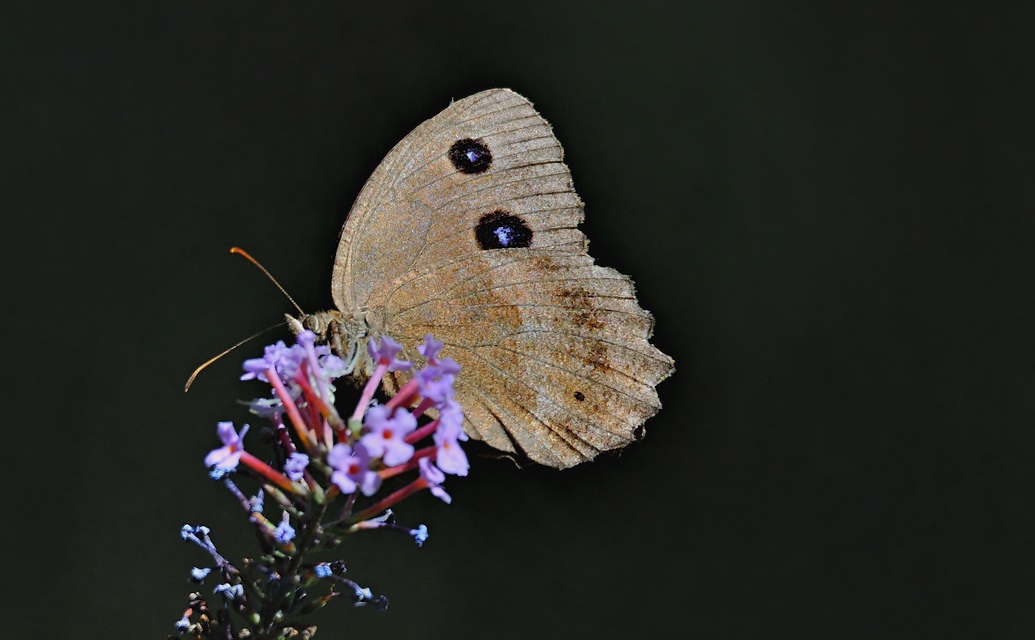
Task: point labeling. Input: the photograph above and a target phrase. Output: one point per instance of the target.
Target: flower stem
(271, 474)
(368, 392)
(388, 501)
(292, 409)
(423, 432)
(405, 396)
(409, 465)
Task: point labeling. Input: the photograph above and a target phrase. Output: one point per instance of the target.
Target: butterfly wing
(416, 203)
(468, 231)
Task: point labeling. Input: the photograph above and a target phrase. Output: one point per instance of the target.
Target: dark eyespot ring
(501, 230)
(470, 156)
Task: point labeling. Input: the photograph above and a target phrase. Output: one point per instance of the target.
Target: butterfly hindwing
(548, 337)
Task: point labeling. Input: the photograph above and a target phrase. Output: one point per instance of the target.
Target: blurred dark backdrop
(826, 205)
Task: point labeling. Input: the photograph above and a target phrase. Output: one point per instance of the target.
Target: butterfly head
(342, 333)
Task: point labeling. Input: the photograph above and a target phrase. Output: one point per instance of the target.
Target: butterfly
(467, 230)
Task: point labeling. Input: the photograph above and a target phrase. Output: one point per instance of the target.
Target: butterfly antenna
(244, 254)
(190, 380)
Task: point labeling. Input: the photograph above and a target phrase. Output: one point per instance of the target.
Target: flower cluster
(318, 461)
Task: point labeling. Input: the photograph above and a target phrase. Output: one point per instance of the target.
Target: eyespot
(501, 230)
(470, 156)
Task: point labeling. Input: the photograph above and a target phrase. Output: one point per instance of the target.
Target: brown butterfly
(467, 230)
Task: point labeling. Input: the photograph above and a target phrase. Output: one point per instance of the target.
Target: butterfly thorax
(344, 334)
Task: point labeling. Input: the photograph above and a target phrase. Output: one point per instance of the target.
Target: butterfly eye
(501, 230)
(470, 156)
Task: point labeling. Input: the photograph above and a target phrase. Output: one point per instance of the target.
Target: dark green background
(827, 206)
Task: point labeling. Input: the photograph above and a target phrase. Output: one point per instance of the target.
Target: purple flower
(322, 570)
(434, 477)
(420, 535)
(284, 359)
(352, 469)
(449, 456)
(324, 367)
(267, 407)
(232, 592)
(295, 465)
(363, 595)
(451, 420)
(430, 348)
(331, 365)
(255, 503)
(284, 533)
(386, 432)
(226, 457)
(386, 352)
(199, 575)
(306, 338)
(436, 378)
(448, 366)
(190, 532)
(436, 382)
(286, 362)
